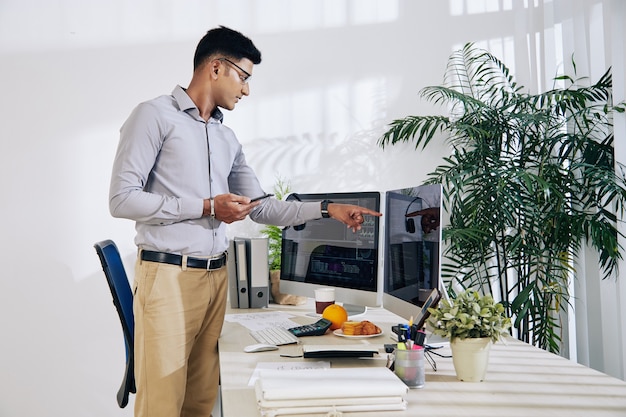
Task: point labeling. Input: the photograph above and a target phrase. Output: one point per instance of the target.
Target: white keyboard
(274, 336)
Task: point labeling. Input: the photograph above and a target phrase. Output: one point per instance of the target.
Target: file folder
(231, 267)
(258, 271)
(242, 273)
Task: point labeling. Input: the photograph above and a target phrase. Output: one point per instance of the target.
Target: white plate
(339, 333)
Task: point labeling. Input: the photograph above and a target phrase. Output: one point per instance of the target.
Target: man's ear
(215, 65)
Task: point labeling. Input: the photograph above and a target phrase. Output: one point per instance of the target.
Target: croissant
(369, 328)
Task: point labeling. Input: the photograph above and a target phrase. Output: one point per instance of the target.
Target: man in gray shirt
(181, 175)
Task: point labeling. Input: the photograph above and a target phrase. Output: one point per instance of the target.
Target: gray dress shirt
(168, 161)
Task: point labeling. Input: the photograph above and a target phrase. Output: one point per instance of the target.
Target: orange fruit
(336, 314)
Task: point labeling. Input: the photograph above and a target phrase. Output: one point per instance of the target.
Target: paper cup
(323, 298)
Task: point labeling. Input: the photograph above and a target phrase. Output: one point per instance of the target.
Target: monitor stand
(354, 309)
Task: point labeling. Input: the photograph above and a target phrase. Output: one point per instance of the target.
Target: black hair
(227, 42)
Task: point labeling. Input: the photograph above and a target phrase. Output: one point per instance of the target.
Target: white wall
(334, 72)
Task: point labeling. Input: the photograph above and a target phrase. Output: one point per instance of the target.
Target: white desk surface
(521, 380)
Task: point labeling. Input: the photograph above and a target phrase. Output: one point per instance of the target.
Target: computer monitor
(325, 253)
(412, 261)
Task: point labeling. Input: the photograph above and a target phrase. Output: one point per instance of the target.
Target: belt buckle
(215, 258)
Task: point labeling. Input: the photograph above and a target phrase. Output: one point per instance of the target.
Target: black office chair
(123, 300)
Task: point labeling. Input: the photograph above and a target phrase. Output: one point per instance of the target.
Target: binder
(258, 271)
(242, 273)
(231, 267)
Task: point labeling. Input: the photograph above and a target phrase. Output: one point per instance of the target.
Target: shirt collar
(186, 104)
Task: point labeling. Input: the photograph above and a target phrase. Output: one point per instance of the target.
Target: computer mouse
(259, 347)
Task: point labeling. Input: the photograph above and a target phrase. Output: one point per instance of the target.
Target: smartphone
(261, 197)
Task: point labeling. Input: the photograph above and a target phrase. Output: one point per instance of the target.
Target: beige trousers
(178, 319)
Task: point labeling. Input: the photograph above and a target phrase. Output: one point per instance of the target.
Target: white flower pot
(470, 358)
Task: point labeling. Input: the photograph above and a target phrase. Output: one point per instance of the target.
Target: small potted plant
(472, 322)
(274, 235)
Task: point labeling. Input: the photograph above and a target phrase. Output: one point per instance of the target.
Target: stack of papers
(284, 393)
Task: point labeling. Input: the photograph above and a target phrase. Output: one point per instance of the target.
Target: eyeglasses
(244, 78)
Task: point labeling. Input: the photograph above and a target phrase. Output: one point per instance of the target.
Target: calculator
(315, 329)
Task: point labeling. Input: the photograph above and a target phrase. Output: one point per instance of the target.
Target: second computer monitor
(412, 247)
(325, 253)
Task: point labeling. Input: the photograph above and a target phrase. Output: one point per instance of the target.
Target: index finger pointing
(370, 212)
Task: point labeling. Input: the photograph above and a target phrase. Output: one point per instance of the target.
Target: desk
(521, 380)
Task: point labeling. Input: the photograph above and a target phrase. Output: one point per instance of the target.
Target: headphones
(409, 222)
(291, 197)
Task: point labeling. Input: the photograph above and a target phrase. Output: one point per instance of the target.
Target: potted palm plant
(531, 179)
(472, 322)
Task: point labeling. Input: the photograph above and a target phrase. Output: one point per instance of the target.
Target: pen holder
(409, 366)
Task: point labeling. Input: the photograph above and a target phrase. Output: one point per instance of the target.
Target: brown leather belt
(210, 264)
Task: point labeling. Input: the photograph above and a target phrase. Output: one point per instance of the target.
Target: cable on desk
(429, 351)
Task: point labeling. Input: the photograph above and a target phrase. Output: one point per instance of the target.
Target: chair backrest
(120, 288)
